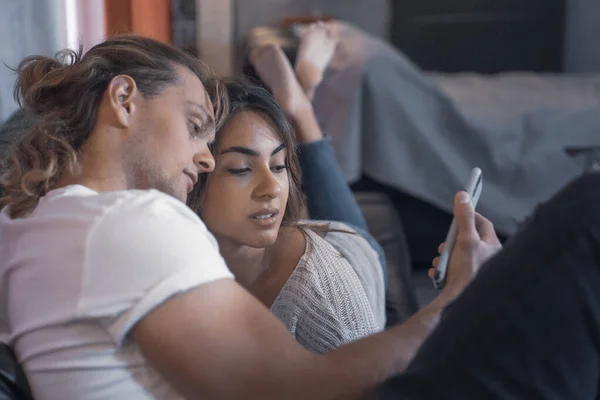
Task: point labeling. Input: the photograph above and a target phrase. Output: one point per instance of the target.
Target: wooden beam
(117, 17)
(151, 18)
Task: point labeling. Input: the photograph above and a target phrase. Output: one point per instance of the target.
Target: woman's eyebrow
(278, 149)
(241, 150)
(249, 152)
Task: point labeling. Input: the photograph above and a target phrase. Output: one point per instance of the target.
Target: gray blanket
(423, 134)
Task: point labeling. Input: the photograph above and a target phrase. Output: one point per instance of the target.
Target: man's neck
(96, 171)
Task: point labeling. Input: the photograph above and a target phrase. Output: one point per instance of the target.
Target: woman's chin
(262, 240)
(248, 237)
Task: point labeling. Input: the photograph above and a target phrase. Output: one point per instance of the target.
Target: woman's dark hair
(245, 96)
(62, 95)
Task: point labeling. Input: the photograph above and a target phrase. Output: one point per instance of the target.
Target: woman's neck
(248, 264)
(263, 272)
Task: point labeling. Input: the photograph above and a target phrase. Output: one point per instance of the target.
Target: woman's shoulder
(310, 235)
(329, 247)
(341, 237)
(326, 226)
(361, 257)
(324, 303)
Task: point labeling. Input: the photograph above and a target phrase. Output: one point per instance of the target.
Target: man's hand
(476, 242)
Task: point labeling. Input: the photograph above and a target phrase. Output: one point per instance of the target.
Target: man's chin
(178, 193)
(178, 196)
(181, 195)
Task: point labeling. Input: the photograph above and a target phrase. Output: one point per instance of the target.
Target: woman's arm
(328, 195)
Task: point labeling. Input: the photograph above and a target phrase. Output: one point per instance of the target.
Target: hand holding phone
(473, 188)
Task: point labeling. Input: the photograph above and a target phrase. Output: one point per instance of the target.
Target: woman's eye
(280, 168)
(238, 171)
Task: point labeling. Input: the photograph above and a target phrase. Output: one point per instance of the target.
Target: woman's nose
(268, 186)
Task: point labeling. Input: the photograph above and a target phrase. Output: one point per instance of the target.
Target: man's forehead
(194, 91)
(212, 136)
(200, 108)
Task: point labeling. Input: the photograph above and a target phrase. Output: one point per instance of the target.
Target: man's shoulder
(149, 223)
(146, 208)
(126, 204)
(148, 212)
(131, 200)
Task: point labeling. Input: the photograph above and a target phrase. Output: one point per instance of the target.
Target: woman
(322, 280)
(323, 182)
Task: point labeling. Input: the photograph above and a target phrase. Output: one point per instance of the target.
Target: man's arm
(217, 341)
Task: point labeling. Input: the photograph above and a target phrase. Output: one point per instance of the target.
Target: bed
(436, 113)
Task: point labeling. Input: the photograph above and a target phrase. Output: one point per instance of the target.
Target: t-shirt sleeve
(140, 253)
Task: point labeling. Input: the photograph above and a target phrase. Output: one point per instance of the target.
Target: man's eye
(195, 128)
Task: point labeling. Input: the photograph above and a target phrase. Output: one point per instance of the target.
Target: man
(115, 289)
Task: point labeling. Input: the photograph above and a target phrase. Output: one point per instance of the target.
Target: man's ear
(122, 91)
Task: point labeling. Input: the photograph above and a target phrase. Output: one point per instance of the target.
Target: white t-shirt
(77, 275)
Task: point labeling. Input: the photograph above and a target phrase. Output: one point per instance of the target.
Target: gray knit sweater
(335, 294)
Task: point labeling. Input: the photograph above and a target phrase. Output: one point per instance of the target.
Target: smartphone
(473, 188)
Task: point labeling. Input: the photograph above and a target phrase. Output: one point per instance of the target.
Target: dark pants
(528, 327)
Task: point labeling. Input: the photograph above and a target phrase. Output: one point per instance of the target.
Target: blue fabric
(328, 195)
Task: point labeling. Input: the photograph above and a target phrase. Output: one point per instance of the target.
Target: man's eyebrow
(208, 121)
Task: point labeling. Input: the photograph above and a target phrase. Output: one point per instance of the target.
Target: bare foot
(275, 71)
(317, 44)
